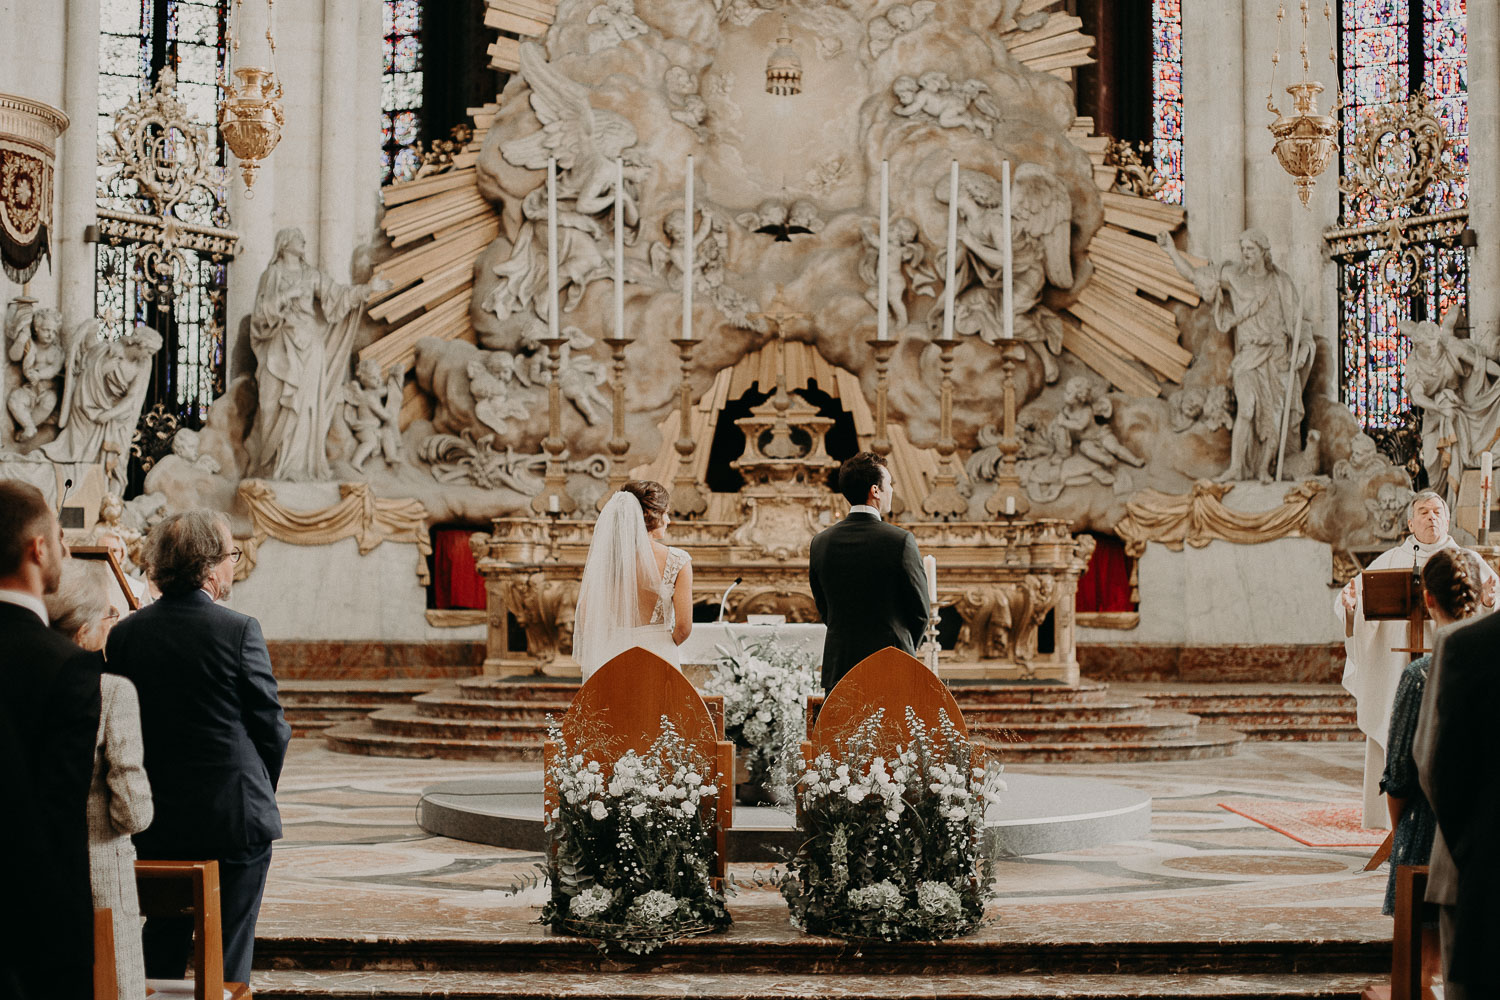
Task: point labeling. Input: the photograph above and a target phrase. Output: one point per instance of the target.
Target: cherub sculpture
(493, 382)
(895, 22)
(37, 349)
(580, 376)
(1364, 459)
(373, 409)
(617, 22)
(688, 107)
(933, 96)
(905, 260)
(185, 447)
(1082, 426)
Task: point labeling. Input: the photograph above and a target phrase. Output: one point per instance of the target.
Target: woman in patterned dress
(1451, 583)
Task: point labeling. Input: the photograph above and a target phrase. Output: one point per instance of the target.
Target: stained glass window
(139, 40)
(1166, 97)
(1388, 48)
(401, 95)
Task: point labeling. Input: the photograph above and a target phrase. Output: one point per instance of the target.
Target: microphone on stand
(67, 485)
(724, 600)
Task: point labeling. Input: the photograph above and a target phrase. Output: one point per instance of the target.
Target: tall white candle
(929, 563)
(552, 317)
(882, 283)
(952, 252)
(1486, 489)
(688, 264)
(619, 247)
(1007, 268)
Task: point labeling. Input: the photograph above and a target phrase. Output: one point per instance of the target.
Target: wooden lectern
(1394, 595)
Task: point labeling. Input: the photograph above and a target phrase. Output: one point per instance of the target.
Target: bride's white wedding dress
(620, 583)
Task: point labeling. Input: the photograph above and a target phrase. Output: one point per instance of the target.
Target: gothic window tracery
(1166, 98)
(402, 120)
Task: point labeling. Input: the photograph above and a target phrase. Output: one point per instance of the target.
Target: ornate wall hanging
(28, 149)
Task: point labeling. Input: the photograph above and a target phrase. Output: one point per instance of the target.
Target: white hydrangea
(939, 899)
(590, 902)
(882, 896)
(655, 907)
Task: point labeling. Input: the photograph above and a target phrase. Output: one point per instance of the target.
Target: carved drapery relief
(359, 514)
(1200, 517)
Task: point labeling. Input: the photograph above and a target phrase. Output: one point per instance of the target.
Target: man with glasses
(214, 731)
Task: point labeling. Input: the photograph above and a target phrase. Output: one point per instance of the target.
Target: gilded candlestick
(554, 497)
(687, 497)
(618, 444)
(945, 502)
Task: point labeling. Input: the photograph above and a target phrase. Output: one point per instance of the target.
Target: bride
(636, 591)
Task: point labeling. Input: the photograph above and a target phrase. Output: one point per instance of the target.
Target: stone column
(35, 33)
(338, 187)
(1213, 125)
(1484, 154)
(79, 153)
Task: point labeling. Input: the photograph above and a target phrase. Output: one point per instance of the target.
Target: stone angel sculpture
(933, 96)
(585, 140)
(905, 261)
(104, 387)
(372, 407)
(1454, 382)
(34, 339)
(688, 106)
(495, 382)
(1041, 248)
(1082, 427)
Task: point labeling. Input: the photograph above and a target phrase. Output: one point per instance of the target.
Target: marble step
(305, 985)
(449, 703)
(1158, 726)
(1249, 695)
(753, 949)
(342, 694)
(966, 693)
(518, 689)
(1205, 742)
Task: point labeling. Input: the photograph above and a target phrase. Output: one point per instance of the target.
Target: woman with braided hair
(1451, 583)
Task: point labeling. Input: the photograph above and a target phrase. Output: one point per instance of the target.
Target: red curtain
(1105, 585)
(456, 582)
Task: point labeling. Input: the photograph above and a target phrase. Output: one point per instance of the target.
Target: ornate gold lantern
(28, 151)
(250, 115)
(1305, 140)
(784, 68)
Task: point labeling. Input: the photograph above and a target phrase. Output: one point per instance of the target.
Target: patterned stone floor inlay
(355, 875)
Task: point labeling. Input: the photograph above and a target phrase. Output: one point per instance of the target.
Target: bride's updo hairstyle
(653, 498)
(1452, 577)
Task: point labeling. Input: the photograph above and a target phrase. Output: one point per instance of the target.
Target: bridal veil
(620, 585)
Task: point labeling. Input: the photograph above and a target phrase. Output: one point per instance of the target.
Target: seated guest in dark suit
(1458, 761)
(214, 732)
(49, 714)
(866, 575)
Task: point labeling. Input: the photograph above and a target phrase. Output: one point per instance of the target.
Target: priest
(1371, 669)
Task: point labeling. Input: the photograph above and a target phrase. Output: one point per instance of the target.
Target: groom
(866, 575)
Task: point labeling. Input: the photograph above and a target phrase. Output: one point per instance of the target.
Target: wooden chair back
(182, 888)
(889, 680)
(1415, 951)
(620, 708)
(106, 979)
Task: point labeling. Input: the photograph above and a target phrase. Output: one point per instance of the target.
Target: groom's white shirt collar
(864, 508)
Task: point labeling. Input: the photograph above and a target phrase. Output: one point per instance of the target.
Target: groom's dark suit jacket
(871, 591)
(49, 717)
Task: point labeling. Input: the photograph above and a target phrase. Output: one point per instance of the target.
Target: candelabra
(945, 502)
(687, 497)
(930, 645)
(554, 497)
(1009, 498)
(880, 444)
(618, 444)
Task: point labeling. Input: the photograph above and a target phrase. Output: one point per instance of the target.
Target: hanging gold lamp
(784, 68)
(1305, 140)
(250, 115)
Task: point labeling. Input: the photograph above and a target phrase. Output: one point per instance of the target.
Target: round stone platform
(1036, 815)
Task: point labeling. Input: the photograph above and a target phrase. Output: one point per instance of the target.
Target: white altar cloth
(700, 647)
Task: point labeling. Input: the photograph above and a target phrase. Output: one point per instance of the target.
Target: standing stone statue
(104, 387)
(1453, 382)
(1257, 302)
(301, 331)
(374, 414)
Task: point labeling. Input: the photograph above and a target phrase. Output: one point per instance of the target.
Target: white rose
(597, 810)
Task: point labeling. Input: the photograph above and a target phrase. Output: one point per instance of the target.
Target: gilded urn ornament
(1305, 140)
(250, 118)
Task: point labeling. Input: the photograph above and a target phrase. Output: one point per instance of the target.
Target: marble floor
(354, 864)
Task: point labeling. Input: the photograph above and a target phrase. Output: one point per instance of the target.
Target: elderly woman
(119, 802)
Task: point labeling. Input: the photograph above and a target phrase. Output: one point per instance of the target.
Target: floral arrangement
(765, 685)
(633, 846)
(895, 848)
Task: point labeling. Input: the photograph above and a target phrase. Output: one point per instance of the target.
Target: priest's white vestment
(1372, 672)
